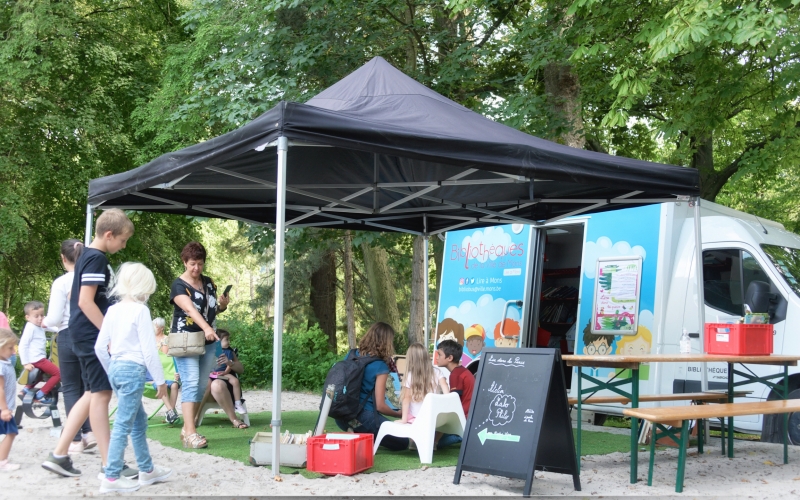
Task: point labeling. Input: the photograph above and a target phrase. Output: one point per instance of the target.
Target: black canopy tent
(379, 151)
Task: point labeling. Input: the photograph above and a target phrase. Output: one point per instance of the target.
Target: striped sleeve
(94, 271)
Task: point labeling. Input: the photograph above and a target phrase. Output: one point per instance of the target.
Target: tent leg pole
(426, 305)
(701, 306)
(89, 220)
(277, 350)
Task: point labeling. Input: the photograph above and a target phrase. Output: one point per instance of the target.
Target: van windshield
(787, 261)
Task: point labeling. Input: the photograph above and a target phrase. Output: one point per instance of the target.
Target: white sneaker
(158, 474)
(88, 440)
(76, 448)
(121, 485)
(239, 407)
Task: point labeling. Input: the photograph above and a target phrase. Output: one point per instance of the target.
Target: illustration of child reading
(475, 337)
(596, 344)
(511, 332)
(636, 345)
(450, 329)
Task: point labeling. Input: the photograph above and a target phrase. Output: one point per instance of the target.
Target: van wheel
(600, 419)
(794, 421)
(772, 427)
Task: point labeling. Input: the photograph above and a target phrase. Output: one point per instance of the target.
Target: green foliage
(306, 359)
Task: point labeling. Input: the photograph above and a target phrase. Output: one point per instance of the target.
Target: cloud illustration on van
(486, 244)
(646, 319)
(487, 311)
(604, 247)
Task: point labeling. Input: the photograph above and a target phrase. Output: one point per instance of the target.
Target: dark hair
(451, 348)
(31, 306)
(223, 333)
(378, 341)
(193, 250)
(71, 249)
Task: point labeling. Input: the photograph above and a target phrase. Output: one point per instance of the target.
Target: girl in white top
(126, 348)
(420, 380)
(57, 320)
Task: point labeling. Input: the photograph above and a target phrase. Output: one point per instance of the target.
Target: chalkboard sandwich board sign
(519, 421)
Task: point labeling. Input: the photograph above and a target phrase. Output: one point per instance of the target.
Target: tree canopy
(92, 87)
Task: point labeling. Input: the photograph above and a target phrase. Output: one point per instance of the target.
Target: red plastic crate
(340, 456)
(738, 339)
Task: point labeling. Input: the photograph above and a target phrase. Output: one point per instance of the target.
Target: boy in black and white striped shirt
(88, 304)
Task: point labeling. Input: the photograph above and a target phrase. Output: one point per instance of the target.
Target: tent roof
(378, 150)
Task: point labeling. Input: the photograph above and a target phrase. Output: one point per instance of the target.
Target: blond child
(420, 379)
(8, 403)
(126, 348)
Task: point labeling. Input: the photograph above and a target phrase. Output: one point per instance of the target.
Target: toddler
(224, 371)
(8, 386)
(420, 380)
(126, 348)
(33, 352)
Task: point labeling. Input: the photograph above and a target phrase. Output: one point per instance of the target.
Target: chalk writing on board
(514, 362)
(528, 417)
(502, 408)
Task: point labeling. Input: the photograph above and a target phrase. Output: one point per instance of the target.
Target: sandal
(194, 441)
(238, 424)
(5, 466)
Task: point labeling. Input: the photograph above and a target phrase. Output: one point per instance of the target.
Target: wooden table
(633, 363)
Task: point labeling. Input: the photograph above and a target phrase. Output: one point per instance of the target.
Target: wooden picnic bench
(660, 416)
(708, 397)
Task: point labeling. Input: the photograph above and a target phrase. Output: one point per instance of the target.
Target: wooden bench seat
(710, 397)
(658, 416)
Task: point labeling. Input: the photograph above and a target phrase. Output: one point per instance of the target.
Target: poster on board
(616, 295)
(485, 273)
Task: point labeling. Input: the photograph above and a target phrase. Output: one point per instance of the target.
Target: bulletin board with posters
(485, 278)
(617, 289)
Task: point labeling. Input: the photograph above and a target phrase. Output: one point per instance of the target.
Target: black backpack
(346, 376)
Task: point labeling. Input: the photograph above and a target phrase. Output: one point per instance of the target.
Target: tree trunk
(417, 312)
(438, 254)
(711, 181)
(323, 297)
(348, 290)
(564, 96)
(411, 44)
(381, 285)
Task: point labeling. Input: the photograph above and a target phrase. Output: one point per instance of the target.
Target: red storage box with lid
(340, 453)
(738, 339)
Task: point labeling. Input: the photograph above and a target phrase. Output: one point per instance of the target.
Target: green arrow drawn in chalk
(485, 435)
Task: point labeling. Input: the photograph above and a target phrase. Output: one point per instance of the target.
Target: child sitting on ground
(462, 382)
(126, 348)
(8, 386)
(224, 371)
(420, 379)
(33, 352)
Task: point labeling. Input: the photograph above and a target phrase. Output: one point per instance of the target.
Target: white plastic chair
(439, 412)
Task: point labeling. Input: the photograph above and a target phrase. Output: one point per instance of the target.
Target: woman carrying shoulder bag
(196, 306)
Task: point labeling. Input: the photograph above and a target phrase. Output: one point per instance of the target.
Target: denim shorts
(194, 372)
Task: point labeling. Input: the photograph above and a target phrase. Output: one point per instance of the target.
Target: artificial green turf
(225, 441)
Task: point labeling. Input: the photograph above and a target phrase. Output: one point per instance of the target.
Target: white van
(745, 259)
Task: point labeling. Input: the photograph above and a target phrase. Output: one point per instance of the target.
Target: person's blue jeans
(448, 440)
(370, 422)
(127, 379)
(194, 372)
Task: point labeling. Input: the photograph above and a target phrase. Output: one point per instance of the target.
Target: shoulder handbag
(187, 344)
